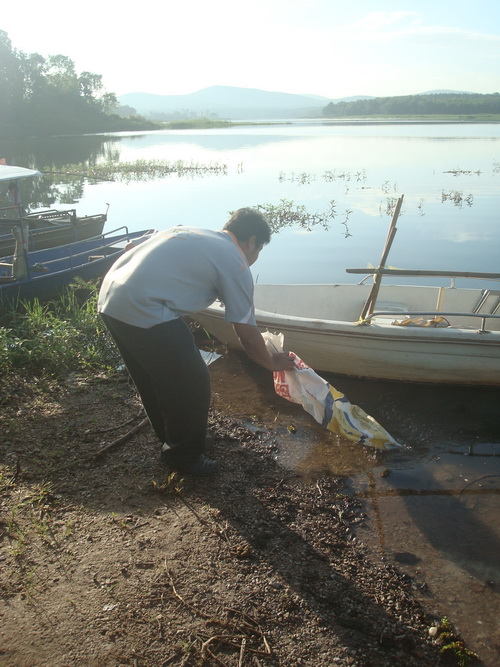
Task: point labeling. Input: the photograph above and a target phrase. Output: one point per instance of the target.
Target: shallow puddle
(432, 506)
(438, 521)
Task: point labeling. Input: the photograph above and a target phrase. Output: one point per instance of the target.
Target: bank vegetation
(435, 106)
(46, 95)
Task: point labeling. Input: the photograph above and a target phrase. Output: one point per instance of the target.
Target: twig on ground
(118, 441)
(118, 426)
(223, 664)
(181, 599)
(103, 450)
(242, 652)
(203, 521)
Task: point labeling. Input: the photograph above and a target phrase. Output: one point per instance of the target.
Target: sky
(331, 48)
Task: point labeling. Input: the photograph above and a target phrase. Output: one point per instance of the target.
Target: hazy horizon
(306, 95)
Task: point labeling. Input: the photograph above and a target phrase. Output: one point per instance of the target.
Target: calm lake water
(449, 175)
(361, 169)
(436, 513)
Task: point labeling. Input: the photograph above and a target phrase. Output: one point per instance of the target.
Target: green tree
(417, 105)
(41, 96)
(90, 85)
(10, 83)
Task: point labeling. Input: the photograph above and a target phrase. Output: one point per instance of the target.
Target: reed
(288, 214)
(141, 170)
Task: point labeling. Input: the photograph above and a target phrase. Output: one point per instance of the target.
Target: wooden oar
(424, 272)
(372, 297)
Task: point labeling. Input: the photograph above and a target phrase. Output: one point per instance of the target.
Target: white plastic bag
(326, 404)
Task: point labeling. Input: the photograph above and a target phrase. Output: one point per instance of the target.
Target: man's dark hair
(247, 222)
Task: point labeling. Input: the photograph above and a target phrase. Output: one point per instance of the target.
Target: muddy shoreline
(111, 560)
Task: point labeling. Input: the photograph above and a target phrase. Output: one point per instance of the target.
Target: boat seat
(392, 306)
(55, 222)
(489, 302)
(395, 308)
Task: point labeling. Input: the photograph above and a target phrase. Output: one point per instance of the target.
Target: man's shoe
(200, 466)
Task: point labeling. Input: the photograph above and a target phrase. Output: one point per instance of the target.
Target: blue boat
(43, 274)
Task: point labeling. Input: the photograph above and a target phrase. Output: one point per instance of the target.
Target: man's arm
(254, 345)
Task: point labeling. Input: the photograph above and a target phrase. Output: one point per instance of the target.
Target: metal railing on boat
(377, 274)
(369, 312)
(432, 313)
(72, 255)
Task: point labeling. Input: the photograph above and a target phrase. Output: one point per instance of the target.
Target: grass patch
(196, 124)
(213, 124)
(56, 337)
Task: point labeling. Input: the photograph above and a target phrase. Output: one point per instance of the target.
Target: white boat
(408, 333)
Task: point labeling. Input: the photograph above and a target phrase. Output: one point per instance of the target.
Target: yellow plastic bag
(434, 322)
(326, 404)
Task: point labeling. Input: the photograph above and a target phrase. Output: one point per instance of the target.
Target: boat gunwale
(377, 331)
(47, 276)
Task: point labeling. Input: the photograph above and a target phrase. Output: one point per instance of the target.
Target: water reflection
(213, 140)
(436, 498)
(443, 531)
(432, 507)
(448, 174)
(56, 152)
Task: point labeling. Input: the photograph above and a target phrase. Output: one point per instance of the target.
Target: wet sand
(431, 507)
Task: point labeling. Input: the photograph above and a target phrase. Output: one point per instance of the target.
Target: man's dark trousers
(173, 382)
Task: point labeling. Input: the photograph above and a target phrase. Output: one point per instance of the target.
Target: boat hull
(42, 233)
(53, 269)
(378, 351)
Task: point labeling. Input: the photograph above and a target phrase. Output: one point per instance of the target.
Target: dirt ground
(110, 559)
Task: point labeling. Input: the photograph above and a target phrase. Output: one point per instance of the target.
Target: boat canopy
(9, 173)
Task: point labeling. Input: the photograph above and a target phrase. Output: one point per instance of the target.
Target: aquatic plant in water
(457, 197)
(141, 170)
(387, 207)
(288, 214)
(461, 172)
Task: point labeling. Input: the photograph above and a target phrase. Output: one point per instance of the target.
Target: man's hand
(282, 362)
(254, 345)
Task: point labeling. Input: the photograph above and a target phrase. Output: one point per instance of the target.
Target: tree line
(41, 96)
(417, 105)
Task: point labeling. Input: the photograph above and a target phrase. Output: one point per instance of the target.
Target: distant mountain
(233, 103)
(226, 102)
